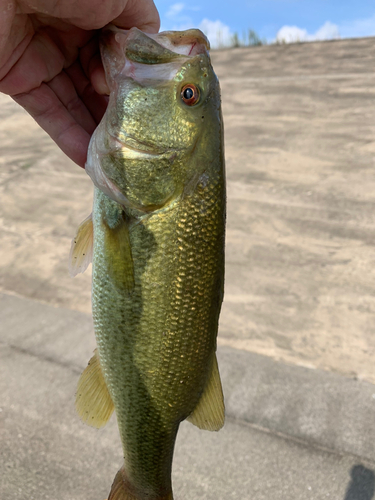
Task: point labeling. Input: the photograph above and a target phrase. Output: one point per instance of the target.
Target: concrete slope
(290, 433)
(299, 128)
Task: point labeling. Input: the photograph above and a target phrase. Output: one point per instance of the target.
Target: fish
(156, 239)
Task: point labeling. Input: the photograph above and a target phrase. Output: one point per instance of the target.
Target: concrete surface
(47, 453)
(300, 147)
(300, 150)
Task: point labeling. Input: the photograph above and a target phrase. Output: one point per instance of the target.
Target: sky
(285, 20)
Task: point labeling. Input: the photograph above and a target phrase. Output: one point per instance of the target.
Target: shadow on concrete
(362, 484)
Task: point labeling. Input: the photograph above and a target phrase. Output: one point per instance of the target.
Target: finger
(64, 89)
(50, 113)
(41, 61)
(86, 14)
(139, 13)
(95, 103)
(97, 75)
(94, 14)
(92, 65)
(69, 39)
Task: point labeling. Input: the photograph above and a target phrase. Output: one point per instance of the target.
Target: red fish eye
(190, 94)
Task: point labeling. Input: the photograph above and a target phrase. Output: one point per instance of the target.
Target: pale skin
(50, 62)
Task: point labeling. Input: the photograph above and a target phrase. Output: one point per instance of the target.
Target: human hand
(50, 61)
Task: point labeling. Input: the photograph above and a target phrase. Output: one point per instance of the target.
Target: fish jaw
(124, 50)
(102, 146)
(94, 170)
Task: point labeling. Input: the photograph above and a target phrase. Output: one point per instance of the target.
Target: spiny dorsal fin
(209, 414)
(93, 402)
(81, 249)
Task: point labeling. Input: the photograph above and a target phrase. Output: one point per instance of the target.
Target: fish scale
(180, 307)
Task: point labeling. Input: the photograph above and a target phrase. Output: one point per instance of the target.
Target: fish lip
(118, 45)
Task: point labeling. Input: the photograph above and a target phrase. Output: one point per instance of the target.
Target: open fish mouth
(130, 53)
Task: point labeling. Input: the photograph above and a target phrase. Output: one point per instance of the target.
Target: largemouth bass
(156, 237)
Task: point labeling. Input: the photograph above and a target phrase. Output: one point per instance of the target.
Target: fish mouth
(132, 53)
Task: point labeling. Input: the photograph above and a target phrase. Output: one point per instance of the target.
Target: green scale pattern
(155, 342)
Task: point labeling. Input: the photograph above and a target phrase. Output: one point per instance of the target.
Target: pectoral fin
(81, 248)
(93, 401)
(119, 256)
(209, 414)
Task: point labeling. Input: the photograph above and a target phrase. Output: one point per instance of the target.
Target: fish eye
(190, 94)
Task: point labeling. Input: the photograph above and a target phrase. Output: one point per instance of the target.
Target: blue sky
(302, 19)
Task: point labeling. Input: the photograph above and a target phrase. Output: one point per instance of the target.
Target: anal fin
(209, 414)
(81, 248)
(93, 401)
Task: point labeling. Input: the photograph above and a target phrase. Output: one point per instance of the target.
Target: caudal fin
(122, 490)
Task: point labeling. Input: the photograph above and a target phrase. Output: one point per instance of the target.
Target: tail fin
(120, 489)
(123, 490)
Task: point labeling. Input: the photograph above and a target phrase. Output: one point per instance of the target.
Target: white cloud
(175, 9)
(178, 18)
(328, 31)
(291, 34)
(217, 32)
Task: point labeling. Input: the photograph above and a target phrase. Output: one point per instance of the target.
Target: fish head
(162, 126)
